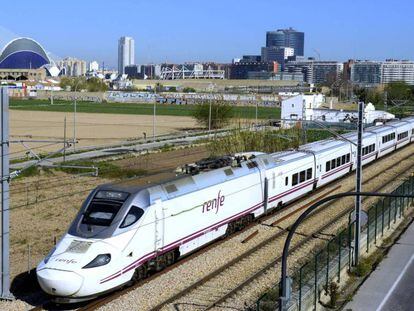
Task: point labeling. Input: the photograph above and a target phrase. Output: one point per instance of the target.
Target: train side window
(295, 179)
(308, 174)
(333, 164)
(338, 161)
(134, 214)
(302, 176)
(348, 158)
(343, 160)
(286, 180)
(328, 166)
(274, 180)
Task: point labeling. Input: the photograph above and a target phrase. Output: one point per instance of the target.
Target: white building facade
(308, 108)
(395, 71)
(73, 67)
(93, 66)
(126, 53)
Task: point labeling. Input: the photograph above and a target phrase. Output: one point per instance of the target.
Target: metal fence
(327, 265)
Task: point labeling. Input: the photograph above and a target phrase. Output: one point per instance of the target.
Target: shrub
(221, 114)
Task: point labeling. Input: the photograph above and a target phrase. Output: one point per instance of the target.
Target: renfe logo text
(214, 204)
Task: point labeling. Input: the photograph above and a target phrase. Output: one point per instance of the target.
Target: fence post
(327, 264)
(395, 210)
(350, 246)
(382, 216)
(376, 221)
(300, 288)
(315, 292)
(389, 213)
(369, 219)
(339, 256)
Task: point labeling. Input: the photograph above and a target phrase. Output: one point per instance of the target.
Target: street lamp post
(154, 113)
(358, 187)
(154, 120)
(74, 117)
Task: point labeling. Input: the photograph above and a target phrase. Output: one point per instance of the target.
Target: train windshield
(103, 208)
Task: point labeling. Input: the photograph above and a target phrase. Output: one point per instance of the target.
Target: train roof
(398, 123)
(285, 157)
(323, 145)
(379, 129)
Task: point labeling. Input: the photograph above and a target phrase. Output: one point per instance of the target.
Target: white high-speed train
(122, 233)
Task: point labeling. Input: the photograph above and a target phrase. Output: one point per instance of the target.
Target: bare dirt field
(91, 129)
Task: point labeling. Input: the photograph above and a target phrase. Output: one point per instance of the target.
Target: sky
(213, 30)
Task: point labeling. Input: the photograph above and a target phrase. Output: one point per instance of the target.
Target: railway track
(209, 292)
(238, 262)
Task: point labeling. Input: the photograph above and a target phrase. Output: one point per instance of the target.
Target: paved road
(391, 286)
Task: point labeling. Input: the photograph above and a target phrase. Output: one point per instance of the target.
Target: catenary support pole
(64, 140)
(358, 187)
(5, 179)
(154, 120)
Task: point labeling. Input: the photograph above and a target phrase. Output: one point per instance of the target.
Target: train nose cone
(59, 283)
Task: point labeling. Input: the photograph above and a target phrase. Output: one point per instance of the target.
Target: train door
(159, 225)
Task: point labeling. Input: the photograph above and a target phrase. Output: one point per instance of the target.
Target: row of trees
(391, 92)
(81, 83)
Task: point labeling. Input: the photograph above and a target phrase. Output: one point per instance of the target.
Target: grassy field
(139, 109)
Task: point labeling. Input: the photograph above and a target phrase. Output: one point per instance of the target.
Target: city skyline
(336, 31)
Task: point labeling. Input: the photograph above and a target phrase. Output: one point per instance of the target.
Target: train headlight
(99, 260)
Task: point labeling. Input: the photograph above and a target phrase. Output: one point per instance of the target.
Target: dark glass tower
(286, 38)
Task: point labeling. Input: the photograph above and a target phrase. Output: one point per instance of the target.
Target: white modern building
(73, 67)
(394, 71)
(126, 53)
(308, 108)
(93, 66)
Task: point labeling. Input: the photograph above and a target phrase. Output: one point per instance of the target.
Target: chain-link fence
(329, 264)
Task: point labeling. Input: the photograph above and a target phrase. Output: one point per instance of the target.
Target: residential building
(73, 67)
(286, 38)
(126, 53)
(366, 73)
(394, 71)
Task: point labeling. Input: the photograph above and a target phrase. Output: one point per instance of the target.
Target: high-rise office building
(276, 54)
(286, 38)
(126, 53)
(318, 72)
